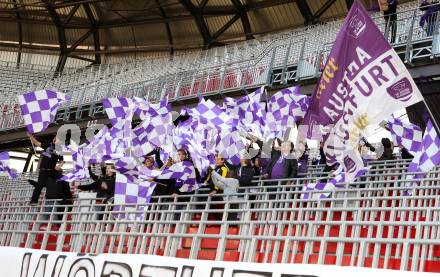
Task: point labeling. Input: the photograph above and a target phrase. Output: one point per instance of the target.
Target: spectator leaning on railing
(429, 17)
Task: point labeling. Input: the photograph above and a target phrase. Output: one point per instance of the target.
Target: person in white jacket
(228, 184)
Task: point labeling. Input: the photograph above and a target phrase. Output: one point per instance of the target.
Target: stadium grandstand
(158, 128)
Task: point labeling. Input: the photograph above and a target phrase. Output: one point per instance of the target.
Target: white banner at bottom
(22, 262)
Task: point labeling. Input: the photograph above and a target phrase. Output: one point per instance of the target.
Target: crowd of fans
(284, 162)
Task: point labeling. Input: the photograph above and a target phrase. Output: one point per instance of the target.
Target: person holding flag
(50, 161)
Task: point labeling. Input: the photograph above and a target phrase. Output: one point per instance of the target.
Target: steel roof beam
(95, 30)
(20, 33)
(70, 15)
(167, 26)
(349, 3)
(305, 11)
(225, 27)
(244, 18)
(61, 35)
(323, 9)
(197, 14)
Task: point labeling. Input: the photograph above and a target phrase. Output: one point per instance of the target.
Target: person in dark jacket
(387, 150)
(50, 161)
(103, 185)
(57, 195)
(390, 18)
(290, 163)
(429, 16)
(245, 173)
(222, 170)
(149, 160)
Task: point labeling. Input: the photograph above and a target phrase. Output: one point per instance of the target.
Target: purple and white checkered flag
(4, 165)
(79, 170)
(405, 134)
(208, 113)
(286, 107)
(39, 108)
(131, 190)
(429, 155)
(323, 190)
(246, 111)
(184, 174)
(151, 133)
(144, 109)
(230, 146)
(118, 108)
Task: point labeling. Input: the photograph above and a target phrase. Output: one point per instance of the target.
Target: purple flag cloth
(246, 111)
(429, 155)
(230, 146)
(153, 132)
(405, 134)
(364, 78)
(144, 109)
(132, 186)
(4, 165)
(208, 113)
(286, 107)
(118, 108)
(39, 108)
(323, 190)
(364, 81)
(79, 170)
(184, 174)
(130, 190)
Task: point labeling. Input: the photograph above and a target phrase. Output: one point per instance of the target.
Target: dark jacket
(96, 185)
(49, 158)
(57, 189)
(245, 175)
(392, 7)
(387, 154)
(290, 168)
(405, 154)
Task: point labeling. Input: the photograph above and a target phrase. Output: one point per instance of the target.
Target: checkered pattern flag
(247, 111)
(144, 109)
(429, 155)
(151, 133)
(323, 190)
(118, 108)
(405, 134)
(184, 174)
(4, 165)
(95, 151)
(286, 107)
(230, 146)
(131, 190)
(79, 170)
(39, 108)
(208, 113)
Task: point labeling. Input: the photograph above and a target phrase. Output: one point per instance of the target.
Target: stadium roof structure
(85, 29)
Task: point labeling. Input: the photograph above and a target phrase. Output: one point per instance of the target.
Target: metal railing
(377, 221)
